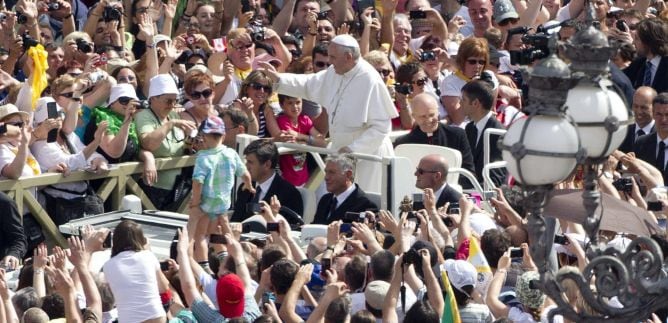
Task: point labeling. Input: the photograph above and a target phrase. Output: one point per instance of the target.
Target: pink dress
(293, 167)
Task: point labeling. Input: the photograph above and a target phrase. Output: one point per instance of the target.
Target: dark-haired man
(651, 68)
(477, 102)
(261, 161)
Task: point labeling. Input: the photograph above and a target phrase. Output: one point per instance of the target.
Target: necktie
(258, 192)
(332, 207)
(661, 157)
(647, 78)
(639, 133)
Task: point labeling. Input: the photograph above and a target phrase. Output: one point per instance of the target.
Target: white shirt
(343, 196)
(132, 277)
(647, 129)
(438, 192)
(49, 154)
(360, 112)
(480, 125)
(265, 186)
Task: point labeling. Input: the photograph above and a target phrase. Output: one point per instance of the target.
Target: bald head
(642, 105)
(434, 169)
(425, 112)
(316, 247)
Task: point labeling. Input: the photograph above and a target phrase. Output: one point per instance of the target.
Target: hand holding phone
(516, 253)
(52, 113)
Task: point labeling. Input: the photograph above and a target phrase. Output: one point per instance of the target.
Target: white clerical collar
(352, 71)
(438, 193)
(265, 186)
(480, 125)
(343, 196)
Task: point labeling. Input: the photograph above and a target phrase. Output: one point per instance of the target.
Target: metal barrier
(118, 181)
(487, 138)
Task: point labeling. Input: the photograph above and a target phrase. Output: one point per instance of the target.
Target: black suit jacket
(357, 201)
(449, 195)
(498, 175)
(446, 136)
(287, 194)
(629, 141)
(636, 73)
(645, 149)
(12, 238)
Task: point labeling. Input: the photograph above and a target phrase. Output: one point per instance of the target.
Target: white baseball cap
(461, 273)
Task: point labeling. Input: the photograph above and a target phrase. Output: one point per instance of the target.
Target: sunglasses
(421, 171)
(322, 64)
(258, 87)
(476, 61)
(169, 101)
(16, 124)
(126, 79)
(124, 100)
(244, 46)
(384, 72)
(203, 94)
(421, 82)
(505, 22)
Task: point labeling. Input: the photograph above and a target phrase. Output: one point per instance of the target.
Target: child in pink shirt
(296, 127)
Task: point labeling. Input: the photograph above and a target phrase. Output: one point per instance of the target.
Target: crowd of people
(88, 84)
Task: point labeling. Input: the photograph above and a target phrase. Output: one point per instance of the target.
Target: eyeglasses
(126, 79)
(243, 46)
(421, 171)
(74, 74)
(124, 100)
(384, 72)
(203, 94)
(16, 124)
(476, 61)
(258, 87)
(169, 101)
(507, 21)
(320, 64)
(421, 82)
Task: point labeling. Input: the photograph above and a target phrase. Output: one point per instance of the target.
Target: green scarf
(115, 122)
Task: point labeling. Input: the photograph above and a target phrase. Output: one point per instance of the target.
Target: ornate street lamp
(586, 98)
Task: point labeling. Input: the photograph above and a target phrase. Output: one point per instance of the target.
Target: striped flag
(478, 260)
(450, 310)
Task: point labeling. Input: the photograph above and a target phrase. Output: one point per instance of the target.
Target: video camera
(537, 44)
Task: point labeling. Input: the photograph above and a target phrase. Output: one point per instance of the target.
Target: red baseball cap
(230, 293)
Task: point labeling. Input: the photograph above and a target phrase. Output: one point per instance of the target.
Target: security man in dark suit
(642, 113)
(652, 148)
(344, 195)
(651, 66)
(261, 162)
(432, 172)
(476, 102)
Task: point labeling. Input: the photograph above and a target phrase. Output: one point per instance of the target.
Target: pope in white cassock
(360, 107)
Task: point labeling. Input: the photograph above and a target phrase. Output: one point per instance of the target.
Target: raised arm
(80, 258)
(283, 20)
(188, 286)
(287, 311)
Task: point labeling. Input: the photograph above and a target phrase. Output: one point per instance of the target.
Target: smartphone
(347, 229)
(354, 217)
(662, 223)
(217, 239)
(245, 228)
(560, 239)
(621, 25)
(245, 6)
(52, 113)
(325, 265)
(164, 266)
(107, 241)
(273, 227)
(453, 208)
(516, 253)
(655, 206)
(253, 208)
(417, 14)
(417, 197)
